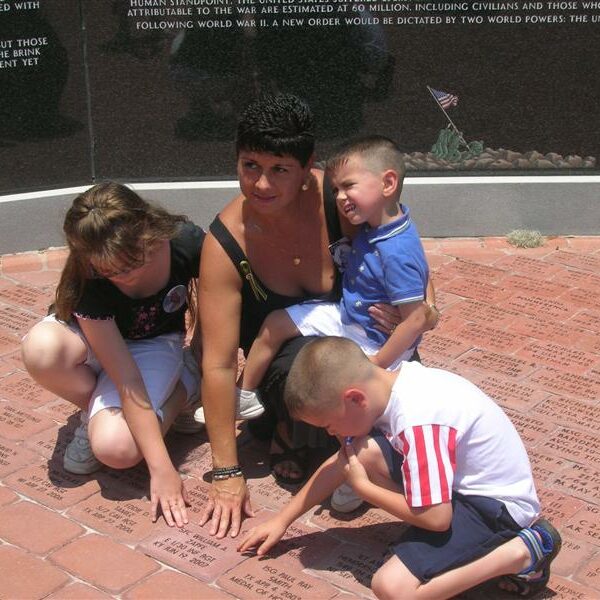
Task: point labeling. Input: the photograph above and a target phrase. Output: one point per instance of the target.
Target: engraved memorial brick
(50, 443)
(545, 467)
(268, 493)
(444, 299)
(192, 550)
(17, 424)
(25, 296)
(9, 342)
(575, 279)
(474, 270)
(589, 342)
(531, 267)
(568, 410)
(589, 574)
(537, 287)
(557, 507)
(585, 525)
(574, 445)
(19, 387)
(572, 555)
(14, 456)
(15, 321)
(135, 480)
(265, 578)
(511, 394)
(490, 338)
(479, 290)
(52, 486)
(127, 520)
(579, 481)
(561, 357)
(444, 346)
(546, 329)
(484, 360)
(190, 453)
(352, 567)
(585, 262)
(561, 382)
(566, 589)
(473, 310)
(366, 524)
(60, 410)
(197, 493)
(551, 308)
(588, 319)
(585, 298)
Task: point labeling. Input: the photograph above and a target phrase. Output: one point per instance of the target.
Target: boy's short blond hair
(321, 371)
(377, 152)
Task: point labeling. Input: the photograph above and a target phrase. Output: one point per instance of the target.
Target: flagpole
(447, 116)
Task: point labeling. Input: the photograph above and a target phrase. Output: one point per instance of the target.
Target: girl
(114, 344)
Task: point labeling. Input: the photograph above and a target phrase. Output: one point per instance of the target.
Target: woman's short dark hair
(280, 124)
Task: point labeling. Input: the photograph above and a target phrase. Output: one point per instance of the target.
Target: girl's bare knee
(115, 449)
(50, 346)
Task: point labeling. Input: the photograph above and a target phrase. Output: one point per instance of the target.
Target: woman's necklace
(296, 255)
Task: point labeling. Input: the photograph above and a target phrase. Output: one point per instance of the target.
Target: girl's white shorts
(159, 359)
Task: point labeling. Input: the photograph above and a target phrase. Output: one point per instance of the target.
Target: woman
(113, 346)
(269, 248)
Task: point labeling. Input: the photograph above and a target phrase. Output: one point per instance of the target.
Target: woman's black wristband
(221, 474)
(226, 472)
(220, 470)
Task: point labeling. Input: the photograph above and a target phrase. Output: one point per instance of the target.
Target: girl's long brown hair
(110, 225)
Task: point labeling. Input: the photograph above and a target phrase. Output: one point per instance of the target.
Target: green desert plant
(525, 238)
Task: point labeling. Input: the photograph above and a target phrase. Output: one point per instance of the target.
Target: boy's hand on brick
(356, 474)
(268, 533)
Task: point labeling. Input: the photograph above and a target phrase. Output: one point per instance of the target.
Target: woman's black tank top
(257, 299)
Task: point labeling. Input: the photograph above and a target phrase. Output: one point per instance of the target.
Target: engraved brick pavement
(523, 325)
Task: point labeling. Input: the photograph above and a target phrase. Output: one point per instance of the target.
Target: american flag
(444, 98)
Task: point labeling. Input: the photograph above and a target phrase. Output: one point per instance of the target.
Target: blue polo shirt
(386, 264)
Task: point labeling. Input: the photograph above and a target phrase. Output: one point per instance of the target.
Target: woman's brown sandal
(288, 454)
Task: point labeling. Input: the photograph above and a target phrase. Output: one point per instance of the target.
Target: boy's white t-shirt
(455, 438)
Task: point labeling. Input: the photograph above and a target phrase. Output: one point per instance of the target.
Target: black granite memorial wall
(148, 90)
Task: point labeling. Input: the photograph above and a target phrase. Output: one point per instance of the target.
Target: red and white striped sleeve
(429, 463)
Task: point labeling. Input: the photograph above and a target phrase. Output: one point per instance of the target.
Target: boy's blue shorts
(479, 525)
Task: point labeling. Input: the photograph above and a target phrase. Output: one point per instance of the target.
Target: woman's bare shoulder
(231, 215)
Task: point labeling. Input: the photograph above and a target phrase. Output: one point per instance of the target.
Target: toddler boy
(386, 264)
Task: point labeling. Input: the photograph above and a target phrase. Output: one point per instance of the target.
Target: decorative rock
(542, 163)
(574, 161)
(553, 157)
(501, 164)
(534, 155)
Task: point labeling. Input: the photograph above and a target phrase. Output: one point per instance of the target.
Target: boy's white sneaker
(248, 407)
(79, 458)
(344, 499)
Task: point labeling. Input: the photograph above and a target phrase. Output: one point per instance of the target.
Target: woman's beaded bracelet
(221, 473)
(228, 475)
(220, 470)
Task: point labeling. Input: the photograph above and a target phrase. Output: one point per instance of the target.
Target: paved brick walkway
(522, 324)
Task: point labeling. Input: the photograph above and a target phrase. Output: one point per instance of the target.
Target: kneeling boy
(432, 449)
